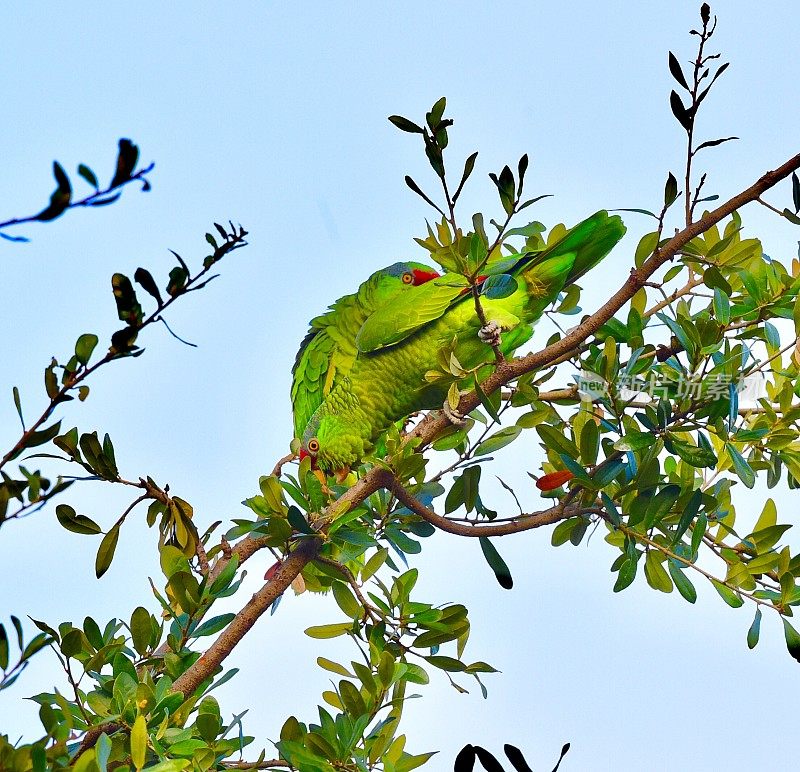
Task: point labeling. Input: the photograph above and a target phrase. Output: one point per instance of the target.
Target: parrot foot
(490, 333)
(455, 418)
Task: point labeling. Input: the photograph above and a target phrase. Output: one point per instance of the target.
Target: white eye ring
(407, 278)
(313, 445)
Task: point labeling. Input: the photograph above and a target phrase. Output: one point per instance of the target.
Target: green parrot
(399, 342)
(328, 351)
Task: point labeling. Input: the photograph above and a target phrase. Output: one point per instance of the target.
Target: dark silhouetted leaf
(87, 174)
(465, 760)
(128, 308)
(795, 192)
(516, 758)
(497, 564)
(148, 283)
(713, 143)
(670, 190)
(405, 125)
(564, 751)
(127, 157)
(679, 111)
(469, 165)
(677, 72)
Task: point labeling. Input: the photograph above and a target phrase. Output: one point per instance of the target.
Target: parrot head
(383, 285)
(333, 444)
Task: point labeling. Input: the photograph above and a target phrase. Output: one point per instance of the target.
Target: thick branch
(204, 668)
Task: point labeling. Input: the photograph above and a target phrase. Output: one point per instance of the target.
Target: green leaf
(139, 742)
(346, 600)
(105, 553)
(497, 564)
(733, 599)
(499, 286)
(682, 582)
(213, 625)
(626, 575)
(687, 516)
(695, 455)
(374, 563)
(635, 441)
(405, 125)
(670, 190)
(18, 405)
(722, 306)
(103, 751)
(754, 631)
(554, 439)
(329, 631)
(84, 347)
(792, 218)
(768, 516)
(655, 574)
(792, 639)
(740, 466)
(72, 642)
(698, 531)
(645, 248)
(74, 522)
(141, 629)
(590, 443)
(487, 403)
(661, 504)
(333, 667)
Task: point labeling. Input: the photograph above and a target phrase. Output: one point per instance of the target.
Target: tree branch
(204, 668)
(524, 522)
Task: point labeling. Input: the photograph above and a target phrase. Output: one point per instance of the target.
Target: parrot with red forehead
(328, 351)
(400, 341)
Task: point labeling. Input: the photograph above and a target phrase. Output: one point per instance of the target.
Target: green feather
(328, 350)
(400, 342)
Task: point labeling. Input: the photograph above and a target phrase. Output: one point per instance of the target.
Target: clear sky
(274, 115)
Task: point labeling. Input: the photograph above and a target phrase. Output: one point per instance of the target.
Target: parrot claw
(453, 416)
(490, 333)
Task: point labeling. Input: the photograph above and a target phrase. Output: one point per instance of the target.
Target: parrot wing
(397, 320)
(315, 368)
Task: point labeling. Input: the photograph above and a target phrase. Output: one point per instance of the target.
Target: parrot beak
(305, 454)
(420, 277)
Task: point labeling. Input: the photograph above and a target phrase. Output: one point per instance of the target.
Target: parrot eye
(407, 278)
(313, 445)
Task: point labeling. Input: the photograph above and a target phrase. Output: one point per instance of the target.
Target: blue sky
(274, 115)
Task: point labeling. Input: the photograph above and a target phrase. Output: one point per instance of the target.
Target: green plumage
(328, 350)
(399, 342)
